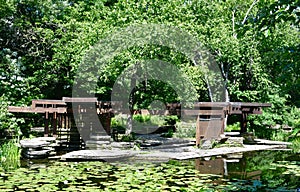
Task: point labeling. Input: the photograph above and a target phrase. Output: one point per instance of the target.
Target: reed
(10, 155)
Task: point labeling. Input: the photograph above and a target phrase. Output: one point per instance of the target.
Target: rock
(92, 144)
(97, 142)
(100, 137)
(248, 138)
(207, 144)
(97, 155)
(235, 141)
(234, 156)
(122, 145)
(39, 147)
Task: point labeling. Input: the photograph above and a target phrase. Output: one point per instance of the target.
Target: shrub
(233, 127)
(296, 145)
(171, 120)
(185, 130)
(7, 120)
(279, 114)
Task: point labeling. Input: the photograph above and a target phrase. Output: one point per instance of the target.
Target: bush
(233, 127)
(171, 120)
(279, 114)
(7, 121)
(296, 145)
(141, 118)
(185, 130)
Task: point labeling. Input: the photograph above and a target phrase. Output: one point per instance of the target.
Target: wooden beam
(203, 112)
(14, 109)
(80, 99)
(36, 102)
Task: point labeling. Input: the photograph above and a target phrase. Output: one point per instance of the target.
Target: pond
(251, 171)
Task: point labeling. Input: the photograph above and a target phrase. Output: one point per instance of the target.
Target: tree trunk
(131, 104)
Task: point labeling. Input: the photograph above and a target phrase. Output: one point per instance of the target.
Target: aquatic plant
(10, 155)
(171, 176)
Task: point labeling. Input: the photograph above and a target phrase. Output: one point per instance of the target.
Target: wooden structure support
(211, 115)
(58, 117)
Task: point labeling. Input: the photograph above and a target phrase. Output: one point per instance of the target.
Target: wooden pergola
(59, 113)
(210, 115)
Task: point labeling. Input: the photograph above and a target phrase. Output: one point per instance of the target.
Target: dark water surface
(250, 171)
(259, 169)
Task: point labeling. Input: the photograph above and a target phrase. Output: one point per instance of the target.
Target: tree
(45, 42)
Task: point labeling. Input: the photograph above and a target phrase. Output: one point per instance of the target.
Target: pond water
(250, 171)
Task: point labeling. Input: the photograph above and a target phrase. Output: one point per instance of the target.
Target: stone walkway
(191, 153)
(158, 149)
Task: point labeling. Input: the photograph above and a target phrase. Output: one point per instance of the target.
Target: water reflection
(257, 166)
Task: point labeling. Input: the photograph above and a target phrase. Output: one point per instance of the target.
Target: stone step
(93, 144)
(95, 141)
(37, 154)
(122, 145)
(169, 146)
(100, 138)
(105, 155)
(33, 143)
(154, 140)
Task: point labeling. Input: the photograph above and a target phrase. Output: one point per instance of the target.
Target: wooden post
(65, 121)
(54, 123)
(244, 122)
(46, 129)
(198, 136)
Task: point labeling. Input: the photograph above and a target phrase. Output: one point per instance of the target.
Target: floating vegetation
(91, 176)
(99, 176)
(171, 176)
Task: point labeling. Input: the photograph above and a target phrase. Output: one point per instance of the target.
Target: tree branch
(233, 24)
(248, 11)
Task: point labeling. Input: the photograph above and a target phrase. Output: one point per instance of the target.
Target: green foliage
(280, 135)
(296, 145)
(142, 118)
(10, 154)
(7, 120)
(185, 130)
(168, 134)
(233, 127)
(119, 120)
(43, 43)
(280, 114)
(296, 130)
(157, 120)
(128, 137)
(171, 119)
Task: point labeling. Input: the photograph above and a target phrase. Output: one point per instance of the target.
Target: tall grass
(10, 155)
(296, 145)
